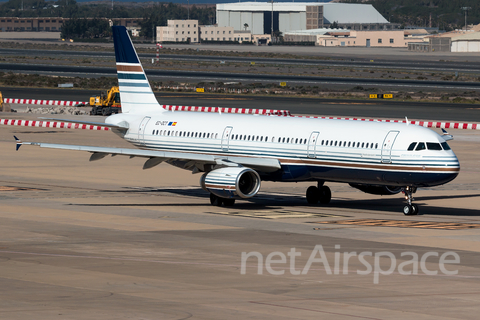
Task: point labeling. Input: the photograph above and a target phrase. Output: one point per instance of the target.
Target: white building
(288, 16)
(469, 42)
(179, 31)
(215, 33)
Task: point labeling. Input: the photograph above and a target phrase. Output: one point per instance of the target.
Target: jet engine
(380, 190)
(231, 182)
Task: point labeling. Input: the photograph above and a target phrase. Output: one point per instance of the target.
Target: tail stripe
(131, 76)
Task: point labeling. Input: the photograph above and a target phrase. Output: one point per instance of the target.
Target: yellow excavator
(107, 103)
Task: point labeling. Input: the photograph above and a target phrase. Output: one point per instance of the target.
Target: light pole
(466, 10)
(272, 23)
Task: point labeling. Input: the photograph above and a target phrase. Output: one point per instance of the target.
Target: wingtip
(19, 143)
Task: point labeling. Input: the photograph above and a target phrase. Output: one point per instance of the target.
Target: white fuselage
(308, 149)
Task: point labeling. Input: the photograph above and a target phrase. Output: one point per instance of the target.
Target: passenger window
(331, 142)
(348, 143)
(420, 146)
(412, 146)
(358, 144)
(208, 135)
(288, 139)
(266, 139)
(376, 145)
(434, 146)
(445, 146)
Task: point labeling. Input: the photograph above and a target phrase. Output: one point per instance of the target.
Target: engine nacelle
(231, 182)
(380, 190)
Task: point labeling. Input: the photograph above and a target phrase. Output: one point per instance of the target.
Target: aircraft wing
(189, 160)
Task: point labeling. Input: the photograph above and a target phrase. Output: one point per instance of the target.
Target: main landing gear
(410, 208)
(320, 194)
(217, 201)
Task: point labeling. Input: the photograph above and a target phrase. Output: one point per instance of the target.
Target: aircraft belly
(291, 173)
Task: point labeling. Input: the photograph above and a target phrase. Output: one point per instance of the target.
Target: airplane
(236, 152)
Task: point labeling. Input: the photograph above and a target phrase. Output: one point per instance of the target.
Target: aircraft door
(141, 129)
(312, 144)
(388, 145)
(226, 138)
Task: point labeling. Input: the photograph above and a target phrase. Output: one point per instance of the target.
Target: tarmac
(108, 240)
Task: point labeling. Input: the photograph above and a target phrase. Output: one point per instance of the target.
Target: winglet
(446, 135)
(19, 143)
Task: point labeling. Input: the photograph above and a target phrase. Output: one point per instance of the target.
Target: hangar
(288, 16)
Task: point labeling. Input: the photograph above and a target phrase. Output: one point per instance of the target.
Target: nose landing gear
(410, 209)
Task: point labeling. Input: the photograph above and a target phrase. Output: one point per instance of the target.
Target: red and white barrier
(167, 107)
(51, 124)
(44, 102)
(227, 110)
(427, 124)
(286, 113)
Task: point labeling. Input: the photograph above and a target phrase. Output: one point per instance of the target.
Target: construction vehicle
(107, 103)
(1, 101)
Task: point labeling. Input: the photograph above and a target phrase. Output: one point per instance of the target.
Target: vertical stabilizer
(136, 95)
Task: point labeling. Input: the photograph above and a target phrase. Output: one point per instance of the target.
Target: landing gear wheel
(229, 202)
(408, 210)
(313, 195)
(415, 209)
(325, 195)
(215, 201)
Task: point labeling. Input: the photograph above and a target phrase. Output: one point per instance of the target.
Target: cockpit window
(445, 146)
(420, 146)
(412, 146)
(434, 146)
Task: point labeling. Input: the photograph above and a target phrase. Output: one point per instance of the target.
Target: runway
(354, 61)
(441, 111)
(108, 240)
(207, 76)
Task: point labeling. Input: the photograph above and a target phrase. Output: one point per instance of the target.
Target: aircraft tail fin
(136, 95)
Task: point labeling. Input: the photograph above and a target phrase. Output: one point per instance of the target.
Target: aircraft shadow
(275, 202)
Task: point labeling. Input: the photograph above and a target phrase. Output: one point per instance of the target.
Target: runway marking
(277, 214)
(404, 224)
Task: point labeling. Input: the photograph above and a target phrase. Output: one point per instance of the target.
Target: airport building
(351, 38)
(52, 24)
(190, 31)
(179, 31)
(259, 17)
